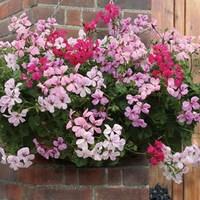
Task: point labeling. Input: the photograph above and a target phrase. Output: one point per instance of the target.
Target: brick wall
(71, 14)
(47, 181)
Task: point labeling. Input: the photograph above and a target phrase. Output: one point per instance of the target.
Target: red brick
(129, 4)
(121, 194)
(71, 176)
(92, 176)
(4, 28)
(11, 192)
(40, 175)
(14, 192)
(79, 3)
(29, 3)
(74, 17)
(48, 1)
(114, 176)
(45, 12)
(136, 176)
(6, 173)
(58, 194)
(2, 191)
(9, 8)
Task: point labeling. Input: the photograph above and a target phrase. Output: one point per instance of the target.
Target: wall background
(71, 14)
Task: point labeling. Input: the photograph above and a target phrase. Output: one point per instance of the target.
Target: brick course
(50, 181)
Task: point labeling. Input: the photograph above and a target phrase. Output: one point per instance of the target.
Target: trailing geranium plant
(93, 101)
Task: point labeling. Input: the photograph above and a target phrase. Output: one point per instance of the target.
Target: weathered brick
(14, 192)
(114, 176)
(45, 12)
(89, 15)
(73, 17)
(79, 3)
(92, 176)
(40, 175)
(72, 32)
(48, 1)
(129, 4)
(4, 28)
(9, 8)
(71, 176)
(11, 192)
(121, 194)
(2, 191)
(135, 176)
(58, 194)
(6, 173)
(29, 3)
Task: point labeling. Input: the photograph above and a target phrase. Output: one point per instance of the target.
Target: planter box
(50, 181)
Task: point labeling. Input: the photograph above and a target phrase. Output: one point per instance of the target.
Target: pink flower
(80, 125)
(195, 103)
(16, 118)
(99, 98)
(34, 50)
(60, 144)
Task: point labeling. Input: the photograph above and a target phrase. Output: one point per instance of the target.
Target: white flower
(25, 156)
(14, 162)
(11, 60)
(81, 34)
(59, 43)
(3, 156)
(116, 129)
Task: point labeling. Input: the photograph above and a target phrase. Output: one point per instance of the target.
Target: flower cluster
(109, 148)
(175, 165)
(23, 159)
(162, 58)
(183, 46)
(110, 13)
(52, 152)
(156, 152)
(191, 111)
(93, 100)
(113, 52)
(9, 100)
(75, 51)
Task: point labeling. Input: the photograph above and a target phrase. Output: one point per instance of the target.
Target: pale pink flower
(3, 157)
(11, 60)
(16, 118)
(98, 98)
(14, 162)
